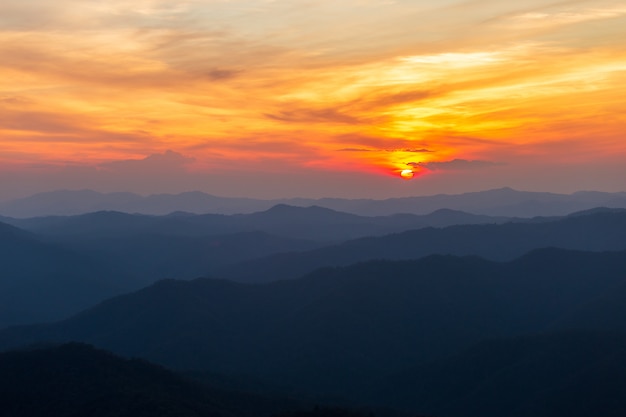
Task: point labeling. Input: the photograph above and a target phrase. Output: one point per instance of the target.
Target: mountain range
(302, 223)
(499, 202)
(448, 314)
(595, 230)
(61, 265)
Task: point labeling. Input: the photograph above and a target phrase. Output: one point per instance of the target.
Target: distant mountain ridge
(596, 230)
(64, 264)
(303, 223)
(106, 253)
(498, 202)
(46, 277)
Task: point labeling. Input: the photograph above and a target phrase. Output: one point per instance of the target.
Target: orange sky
(467, 94)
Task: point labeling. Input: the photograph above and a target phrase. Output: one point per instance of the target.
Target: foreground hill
(498, 202)
(596, 230)
(573, 374)
(78, 380)
(337, 330)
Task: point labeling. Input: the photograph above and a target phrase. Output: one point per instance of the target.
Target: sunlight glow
(407, 174)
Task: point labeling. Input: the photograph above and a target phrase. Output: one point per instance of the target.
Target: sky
(303, 98)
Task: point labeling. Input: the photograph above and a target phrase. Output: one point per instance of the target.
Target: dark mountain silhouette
(147, 258)
(78, 380)
(117, 224)
(124, 252)
(338, 329)
(595, 231)
(318, 411)
(499, 202)
(108, 224)
(312, 223)
(52, 279)
(605, 312)
(88, 258)
(142, 249)
(324, 224)
(574, 374)
(67, 202)
(45, 282)
(8, 232)
(317, 223)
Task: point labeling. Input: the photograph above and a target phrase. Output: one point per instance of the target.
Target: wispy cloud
(454, 165)
(355, 150)
(550, 17)
(314, 116)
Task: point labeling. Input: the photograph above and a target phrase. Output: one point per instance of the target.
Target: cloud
(422, 150)
(31, 121)
(14, 100)
(538, 19)
(455, 59)
(388, 100)
(222, 74)
(454, 165)
(354, 150)
(169, 161)
(409, 150)
(404, 150)
(314, 116)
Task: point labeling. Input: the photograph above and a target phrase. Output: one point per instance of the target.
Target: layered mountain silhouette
(46, 278)
(65, 264)
(66, 202)
(301, 223)
(596, 230)
(499, 202)
(93, 256)
(338, 331)
(459, 306)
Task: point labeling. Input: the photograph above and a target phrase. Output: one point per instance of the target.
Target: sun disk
(407, 174)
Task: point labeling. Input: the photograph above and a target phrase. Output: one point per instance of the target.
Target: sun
(407, 174)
